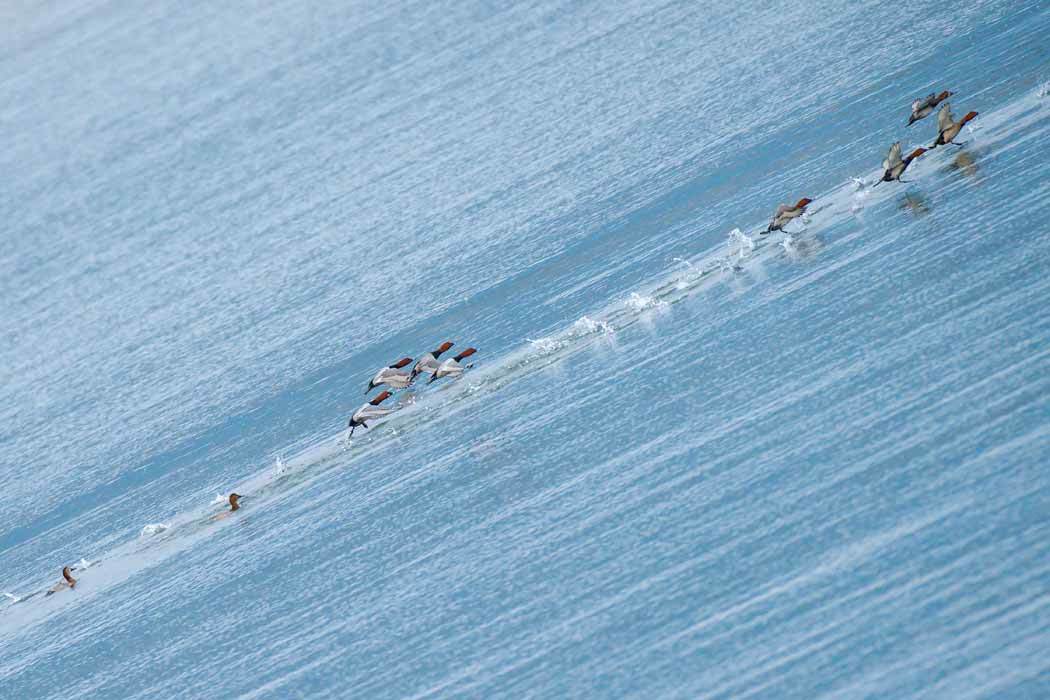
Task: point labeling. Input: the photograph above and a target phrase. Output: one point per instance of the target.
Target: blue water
(691, 461)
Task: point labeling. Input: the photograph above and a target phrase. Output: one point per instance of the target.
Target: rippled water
(692, 461)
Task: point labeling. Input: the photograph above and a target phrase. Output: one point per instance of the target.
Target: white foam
(586, 326)
(13, 597)
(152, 529)
(640, 302)
(740, 245)
(693, 272)
(545, 346)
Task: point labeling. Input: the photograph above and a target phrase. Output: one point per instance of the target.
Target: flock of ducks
(893, 166)
(396, 376)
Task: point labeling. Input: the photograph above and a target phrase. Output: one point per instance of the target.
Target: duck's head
(803, 203)
(235, 501)
(442, 348)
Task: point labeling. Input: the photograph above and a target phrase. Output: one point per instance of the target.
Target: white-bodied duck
(428, 363)
(370, 411)
(392, 375)
(452, 367)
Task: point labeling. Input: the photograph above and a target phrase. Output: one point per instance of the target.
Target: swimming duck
(69, 582)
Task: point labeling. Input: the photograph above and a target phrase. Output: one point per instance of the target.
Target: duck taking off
(68, 582)
(786, 213)
(369, 411)
(894, 166)
(451, 366)
(922, 108)
(429, 362)
(393, 376)
(948, 128)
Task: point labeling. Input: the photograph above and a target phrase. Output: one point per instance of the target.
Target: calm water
(691, 461)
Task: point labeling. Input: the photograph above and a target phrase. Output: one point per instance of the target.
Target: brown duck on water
(68, 582)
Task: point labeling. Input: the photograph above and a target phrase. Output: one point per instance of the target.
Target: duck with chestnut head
(894, 166)
(428, 363)
(370, 411)
(923, 107)
(452, 367)
(393, 376)
(948, 128)
(67, 581)
(786, 213)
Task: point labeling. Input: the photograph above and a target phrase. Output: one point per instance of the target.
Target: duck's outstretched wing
(893, 158)
(944, 117)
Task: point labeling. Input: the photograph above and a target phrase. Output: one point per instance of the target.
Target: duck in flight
(370, 411)
(452, 367)
(894, 166)
(429, 362)
(922, 108)
(786, 213)
(948, 128)
(393, 376)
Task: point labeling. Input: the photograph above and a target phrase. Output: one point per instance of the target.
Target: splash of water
(586, 326)
(545, 346)
(152, 529)
(693, 272)
(740, 245)
(640, 302)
